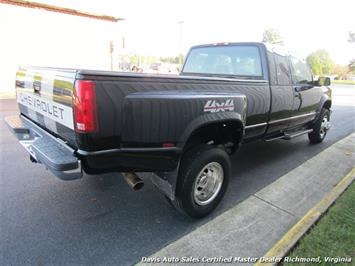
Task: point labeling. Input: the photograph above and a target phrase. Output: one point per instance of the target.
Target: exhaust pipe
(133, 180)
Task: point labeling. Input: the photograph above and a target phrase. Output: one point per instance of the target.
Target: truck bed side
(146, 111)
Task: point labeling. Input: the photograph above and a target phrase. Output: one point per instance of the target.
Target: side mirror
(323, 81)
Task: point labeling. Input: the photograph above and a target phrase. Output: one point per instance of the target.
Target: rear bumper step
(58, 157)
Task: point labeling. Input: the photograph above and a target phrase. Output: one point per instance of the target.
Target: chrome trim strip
(129, 150)
(256, 125)
(292, 117)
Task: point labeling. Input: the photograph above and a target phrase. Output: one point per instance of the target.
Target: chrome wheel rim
(208, 183)
(323, 127)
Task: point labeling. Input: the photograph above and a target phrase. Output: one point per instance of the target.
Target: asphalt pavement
(99, 220)
(244, 234)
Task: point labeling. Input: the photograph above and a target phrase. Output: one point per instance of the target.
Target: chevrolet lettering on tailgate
(55, 111)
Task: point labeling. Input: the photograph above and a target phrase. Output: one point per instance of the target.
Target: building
(44, 35)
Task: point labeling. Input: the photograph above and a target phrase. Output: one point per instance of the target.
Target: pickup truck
(181, 128)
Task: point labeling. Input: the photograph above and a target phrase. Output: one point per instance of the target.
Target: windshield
(224, 60)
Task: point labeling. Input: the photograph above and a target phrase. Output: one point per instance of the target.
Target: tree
(272, 36)
(170, 60)
(315, 64)
(352, 62)
(340, 71)
(320, 62)
(351, 66)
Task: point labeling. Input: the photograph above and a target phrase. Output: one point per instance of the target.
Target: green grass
(349, 82)
(334, 235)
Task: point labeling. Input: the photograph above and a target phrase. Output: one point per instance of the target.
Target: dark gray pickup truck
(181, 128)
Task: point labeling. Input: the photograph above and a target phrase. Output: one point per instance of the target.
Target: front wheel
(203, 180)
(320, 128)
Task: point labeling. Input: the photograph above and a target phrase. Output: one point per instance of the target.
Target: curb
(289, 240)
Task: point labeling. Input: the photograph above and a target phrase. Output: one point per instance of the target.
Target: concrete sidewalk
(246, 232)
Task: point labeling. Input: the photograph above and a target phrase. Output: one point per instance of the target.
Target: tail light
(85, 110)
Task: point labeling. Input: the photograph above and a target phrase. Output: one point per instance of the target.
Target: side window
(301, 73)
(283, 73)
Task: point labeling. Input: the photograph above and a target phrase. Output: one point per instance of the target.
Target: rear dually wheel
(202, 181)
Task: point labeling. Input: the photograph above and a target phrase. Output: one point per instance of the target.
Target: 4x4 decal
(213, 106)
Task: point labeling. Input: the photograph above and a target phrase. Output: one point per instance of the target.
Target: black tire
(192, 164)
(319, 132)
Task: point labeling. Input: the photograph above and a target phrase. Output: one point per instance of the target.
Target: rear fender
(171, 116)
(166, 182)
(208, 119)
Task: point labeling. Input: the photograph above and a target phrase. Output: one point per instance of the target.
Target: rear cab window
(226, 60)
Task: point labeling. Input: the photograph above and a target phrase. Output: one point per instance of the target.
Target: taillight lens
(85, 111)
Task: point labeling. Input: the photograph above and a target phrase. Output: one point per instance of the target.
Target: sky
(151, 27)
(42, 38)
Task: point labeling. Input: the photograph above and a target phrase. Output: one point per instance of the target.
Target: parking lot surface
(99, 220)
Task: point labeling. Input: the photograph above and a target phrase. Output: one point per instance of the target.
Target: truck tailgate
(44, 95)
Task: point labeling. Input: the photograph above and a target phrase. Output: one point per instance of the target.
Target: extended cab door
(306, 96)
(281, 90)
